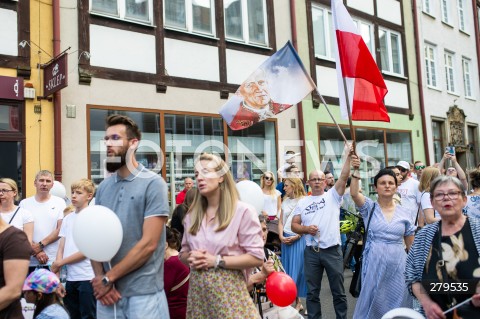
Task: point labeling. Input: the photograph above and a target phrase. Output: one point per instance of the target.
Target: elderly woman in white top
(293, 245)
(273, 199)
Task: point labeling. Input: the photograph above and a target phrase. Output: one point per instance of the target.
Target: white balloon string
(456, 306)
(115, 304)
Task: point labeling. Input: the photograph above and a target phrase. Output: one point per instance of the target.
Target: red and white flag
(364, 82)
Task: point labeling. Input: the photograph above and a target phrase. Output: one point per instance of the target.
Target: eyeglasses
(451, 195)
(451, 170)
(317, 180)
(4, 191)
(403, 170)
(267, 178)
(419, 167)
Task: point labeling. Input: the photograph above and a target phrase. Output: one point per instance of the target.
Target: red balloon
(281, 289)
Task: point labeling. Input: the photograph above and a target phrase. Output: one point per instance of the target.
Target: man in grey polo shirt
(134, 284)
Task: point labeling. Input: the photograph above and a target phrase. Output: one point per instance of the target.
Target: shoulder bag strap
(181, 283)
(365, 235)
(419, 210)
(14, 215)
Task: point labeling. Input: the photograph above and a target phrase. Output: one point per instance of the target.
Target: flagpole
(352, 130)
(328, 110)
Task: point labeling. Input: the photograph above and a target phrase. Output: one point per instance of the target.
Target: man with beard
(329, 180)
(47, 211)
(133, 285)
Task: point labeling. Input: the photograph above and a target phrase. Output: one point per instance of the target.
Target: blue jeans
(79, 300)
(136, 307)
(316, 261)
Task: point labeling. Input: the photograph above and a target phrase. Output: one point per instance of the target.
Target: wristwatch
(41, 244)
(105, 281)
(220, 262)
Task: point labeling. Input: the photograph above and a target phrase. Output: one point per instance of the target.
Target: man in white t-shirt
(409, 191)
(47, 211)
(317, 216)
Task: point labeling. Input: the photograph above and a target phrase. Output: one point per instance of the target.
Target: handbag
(356, 283)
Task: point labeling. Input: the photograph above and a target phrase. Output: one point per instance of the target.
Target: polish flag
(365, 86)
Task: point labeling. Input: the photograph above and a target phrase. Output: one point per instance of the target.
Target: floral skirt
(219, 293)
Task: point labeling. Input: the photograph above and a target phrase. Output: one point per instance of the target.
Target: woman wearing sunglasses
(273, 200)
(427, 214)
(293, 245)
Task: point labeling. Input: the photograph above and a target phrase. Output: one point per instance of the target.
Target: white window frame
(189, 19)
(449, 60)
(467, 76)
(329, 40)
(445, 11)
(121, 8)
(388, 69)
(462, 18)
(371, 48)
(245, 31)
(427, 7)
(430, 58)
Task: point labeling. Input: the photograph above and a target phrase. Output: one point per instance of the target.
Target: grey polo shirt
(141, 195)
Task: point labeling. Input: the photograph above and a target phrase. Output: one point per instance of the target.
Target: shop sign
(11, 88)
(55, 75)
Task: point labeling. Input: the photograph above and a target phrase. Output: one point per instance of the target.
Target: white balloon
(402, 313)
(58, 190)
(98, 233)
(252, 194)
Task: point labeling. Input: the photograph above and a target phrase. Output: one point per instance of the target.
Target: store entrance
(11, 162)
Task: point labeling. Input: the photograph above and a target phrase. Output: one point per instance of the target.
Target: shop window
(186, 137)
(252, 151)
(378, 148)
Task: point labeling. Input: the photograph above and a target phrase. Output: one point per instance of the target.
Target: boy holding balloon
(79, 298)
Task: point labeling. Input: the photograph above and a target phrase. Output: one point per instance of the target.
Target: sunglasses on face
(403, 170)
(267, 178)
(420, 167)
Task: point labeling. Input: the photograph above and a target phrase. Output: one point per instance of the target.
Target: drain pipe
(420, 82)
(57, 97)
(301, 128)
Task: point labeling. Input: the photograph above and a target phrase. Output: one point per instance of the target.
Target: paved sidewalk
(326, 297)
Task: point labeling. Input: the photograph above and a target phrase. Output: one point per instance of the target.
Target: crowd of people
(421, 240)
